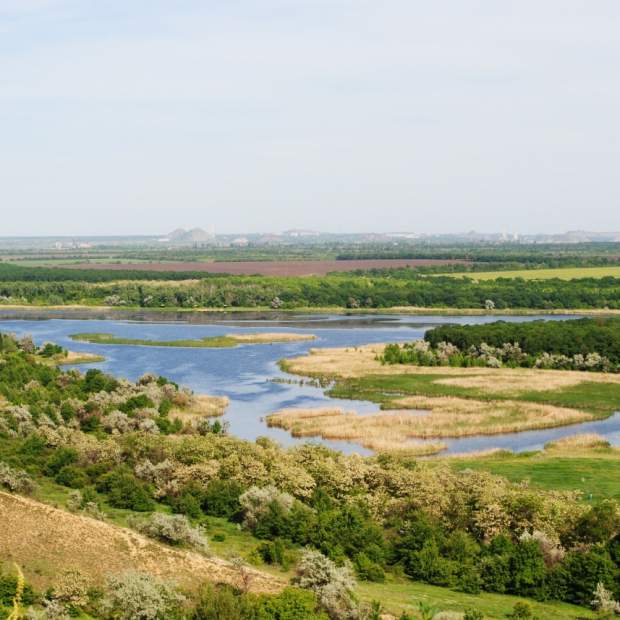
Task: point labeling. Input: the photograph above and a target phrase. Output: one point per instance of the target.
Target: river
(246, 373)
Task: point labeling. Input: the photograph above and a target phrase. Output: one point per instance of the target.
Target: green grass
(563, 273)
(600, 399)
(596, 473)
(214, 342)
(398, 595)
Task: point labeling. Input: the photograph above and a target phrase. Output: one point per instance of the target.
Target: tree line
(568, 338)
(380, 290)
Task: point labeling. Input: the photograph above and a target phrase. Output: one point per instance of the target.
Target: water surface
(245, 373)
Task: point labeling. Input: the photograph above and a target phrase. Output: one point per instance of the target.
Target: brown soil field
(270, 268)
(45, 541)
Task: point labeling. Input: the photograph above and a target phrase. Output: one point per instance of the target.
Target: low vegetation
(435, 402)
(230, 340)
(308, 517)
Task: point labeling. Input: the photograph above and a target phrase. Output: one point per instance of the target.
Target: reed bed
(576, 442)
(201, 406)
(435, 418)
(266, 337)
(459, 417)
(382, 432)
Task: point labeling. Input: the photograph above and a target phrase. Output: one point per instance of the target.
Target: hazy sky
(129, 116)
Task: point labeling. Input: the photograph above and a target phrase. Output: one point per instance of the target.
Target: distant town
(201, 238)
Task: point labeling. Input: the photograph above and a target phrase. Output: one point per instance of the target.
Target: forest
(386, 290)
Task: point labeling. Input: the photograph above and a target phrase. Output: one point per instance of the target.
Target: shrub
(124, 490)
(71, 588)
(290, 604)
(579, 575)
(138, 596)
(527, 567)
(274, 552)
(603, 601)
(599, 524)
(59, 459)
(521, 611)
(221, 498)
(367, 569)
(15, 480)
(174, 530)
(332, 585)
(72, 476)
(255, 502)
(217, 603)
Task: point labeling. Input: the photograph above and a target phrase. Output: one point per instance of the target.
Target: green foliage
(225, 603)
(569, 338)
(575, 579)
(521, 611)
(221, 498)
(599, 524)
(62, 457)
(8, 588)
(72, 476)
(124, 490)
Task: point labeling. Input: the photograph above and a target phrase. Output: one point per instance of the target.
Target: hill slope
(44, 541)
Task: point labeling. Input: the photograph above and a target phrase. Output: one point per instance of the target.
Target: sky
(140, 116)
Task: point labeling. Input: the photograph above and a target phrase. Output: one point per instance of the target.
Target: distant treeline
(138, 289)
(569, 338)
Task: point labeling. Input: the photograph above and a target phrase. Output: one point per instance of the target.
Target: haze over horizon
(339, 116)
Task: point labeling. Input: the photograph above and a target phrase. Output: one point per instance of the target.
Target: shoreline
(395, 310)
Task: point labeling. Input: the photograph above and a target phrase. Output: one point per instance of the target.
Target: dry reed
(583, 441)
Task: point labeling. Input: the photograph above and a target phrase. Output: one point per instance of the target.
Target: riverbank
(402, 310)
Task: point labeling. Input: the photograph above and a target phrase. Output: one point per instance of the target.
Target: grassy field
(594, 472)
(398, 595)
(599, 399)
(563, 273)
(212, 342)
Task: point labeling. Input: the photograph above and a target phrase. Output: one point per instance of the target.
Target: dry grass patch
(352, 363)
(578, 442)
(508, 381)
(382, 432)
(78, 357)
(45, 541)
(267, 337)
(435, 417)
(201, 406)
(458, 417)
(341, 362)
